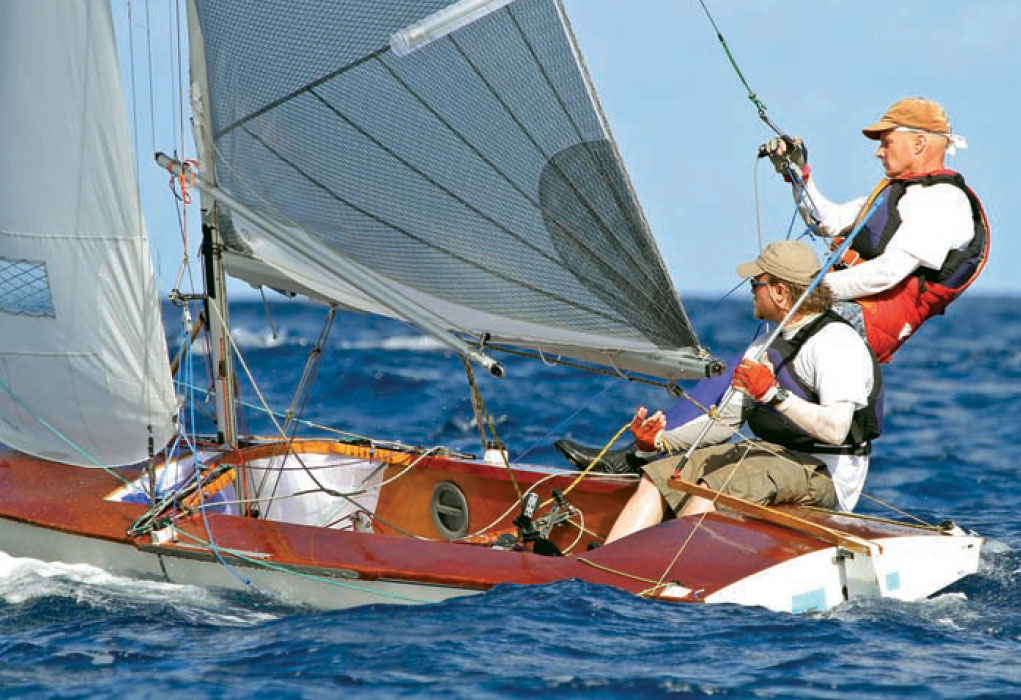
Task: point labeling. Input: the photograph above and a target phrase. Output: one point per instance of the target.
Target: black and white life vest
(769, 424)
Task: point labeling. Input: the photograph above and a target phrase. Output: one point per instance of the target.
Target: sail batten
(476, 174)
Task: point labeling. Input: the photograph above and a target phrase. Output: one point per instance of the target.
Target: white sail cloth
(83, 358)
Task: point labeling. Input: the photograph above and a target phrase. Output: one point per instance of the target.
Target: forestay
(82, 345)
(475, 176)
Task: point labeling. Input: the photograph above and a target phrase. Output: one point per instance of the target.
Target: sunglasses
(755, 284)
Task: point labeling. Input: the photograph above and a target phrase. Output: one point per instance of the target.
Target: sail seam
(129, 238)
(596, 216)
(305, 88)
(426, 243)
(597, 165)
(605, 267)
(29, 353)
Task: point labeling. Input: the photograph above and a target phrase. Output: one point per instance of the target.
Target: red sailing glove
(646, 431)
(756, 380)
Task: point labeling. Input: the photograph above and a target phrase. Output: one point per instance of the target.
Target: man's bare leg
(643, 509)
(696, 505)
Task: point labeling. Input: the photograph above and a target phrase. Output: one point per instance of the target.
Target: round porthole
(449, 509)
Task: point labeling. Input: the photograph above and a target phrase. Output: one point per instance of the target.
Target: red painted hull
(703, 557)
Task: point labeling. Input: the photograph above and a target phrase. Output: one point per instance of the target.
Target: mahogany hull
(56, 512)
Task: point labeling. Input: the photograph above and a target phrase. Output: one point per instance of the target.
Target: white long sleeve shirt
(935, 220)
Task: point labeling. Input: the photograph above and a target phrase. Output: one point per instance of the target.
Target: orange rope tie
(214, 487)
(186, 180)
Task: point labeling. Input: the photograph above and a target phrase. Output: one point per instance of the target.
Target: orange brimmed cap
(914, 113)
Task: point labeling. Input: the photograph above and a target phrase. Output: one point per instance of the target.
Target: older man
(814, 402)
(920, 248)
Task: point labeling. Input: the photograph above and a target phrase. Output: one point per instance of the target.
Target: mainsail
(84, 377)
(475, 176)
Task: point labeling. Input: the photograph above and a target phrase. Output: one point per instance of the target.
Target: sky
(685, 127)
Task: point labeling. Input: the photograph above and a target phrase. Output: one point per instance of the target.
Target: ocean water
(949, 451)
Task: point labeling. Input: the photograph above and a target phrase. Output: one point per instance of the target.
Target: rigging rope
(759, 105)
(792, 172)
(63, 438)
(480, 408)
(475, 402)
(560, 426)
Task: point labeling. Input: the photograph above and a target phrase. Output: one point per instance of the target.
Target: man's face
(898, 151)
(761, 303)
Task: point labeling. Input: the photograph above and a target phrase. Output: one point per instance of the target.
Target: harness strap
(868, 202)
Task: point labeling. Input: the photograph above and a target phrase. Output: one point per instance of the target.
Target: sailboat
(445, 164)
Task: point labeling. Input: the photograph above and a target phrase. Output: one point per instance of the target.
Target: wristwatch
(779, 397)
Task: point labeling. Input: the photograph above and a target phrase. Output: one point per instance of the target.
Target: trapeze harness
(769, 424)
(892, 315)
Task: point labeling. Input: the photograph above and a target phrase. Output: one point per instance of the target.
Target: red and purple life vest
(892, 315)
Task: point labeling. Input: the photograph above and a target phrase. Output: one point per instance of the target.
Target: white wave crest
(23, 580)
(397, 342)
(264, 339)
(252, 340)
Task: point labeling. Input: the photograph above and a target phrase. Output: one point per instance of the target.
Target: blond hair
(819, 301)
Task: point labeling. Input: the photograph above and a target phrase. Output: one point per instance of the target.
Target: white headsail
(83, 358)
(474, 176)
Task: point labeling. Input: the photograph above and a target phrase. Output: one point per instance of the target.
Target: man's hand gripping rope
(648, 431)
(756, 380)
(786, 153)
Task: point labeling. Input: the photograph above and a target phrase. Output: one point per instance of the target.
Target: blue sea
(949, 451)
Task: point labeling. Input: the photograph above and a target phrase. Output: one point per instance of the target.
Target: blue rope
(68, 441)
(559, 427)
(790, 226)
(186, 348)
(313, 577)
(209, 533)
(717, 303)
(837, 252)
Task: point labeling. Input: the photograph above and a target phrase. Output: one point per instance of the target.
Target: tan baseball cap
(914, 113)
(790, 261)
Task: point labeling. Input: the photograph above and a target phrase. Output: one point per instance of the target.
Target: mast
(224, 377)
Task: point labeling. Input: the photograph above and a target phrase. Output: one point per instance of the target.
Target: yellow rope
(592, 464)
(698, 524)
(615, 572)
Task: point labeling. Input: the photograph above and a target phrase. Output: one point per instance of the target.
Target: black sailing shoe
(622, 461)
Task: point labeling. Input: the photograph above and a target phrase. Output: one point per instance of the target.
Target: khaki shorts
(756, 471)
